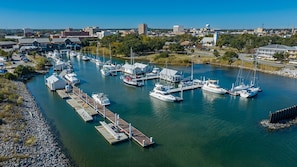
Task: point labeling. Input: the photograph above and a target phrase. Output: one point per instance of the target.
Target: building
(91, 30)
(177, 29)
(33, 43)
(267, 52)
(7, 45)
(68, 32)
(63, 43)
(142, 29)
(54, 82)
(170, 75)
(28, 32)
(103, 34)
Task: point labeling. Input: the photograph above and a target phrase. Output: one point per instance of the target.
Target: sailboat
(98, 61)
(239, 84)
(130, 79)
(191, 81)
(253, 88)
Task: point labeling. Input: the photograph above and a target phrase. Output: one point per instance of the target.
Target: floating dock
(184, 88)
(114, 118)
(110, 133)
(62, 94)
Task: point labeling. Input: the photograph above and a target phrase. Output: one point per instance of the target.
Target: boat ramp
(115, 132)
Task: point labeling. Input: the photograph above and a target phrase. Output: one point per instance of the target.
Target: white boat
(85, 58)
(72, 78)
(160, 92)
(248, 93)
(239, 84)
(105, 71)
(213, 86)
(129, 80)
(101, 99)
(73, 54)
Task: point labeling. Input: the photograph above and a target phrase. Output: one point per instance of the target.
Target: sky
(228, 14)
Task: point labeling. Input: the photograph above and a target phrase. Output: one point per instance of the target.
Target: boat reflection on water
(211, 97)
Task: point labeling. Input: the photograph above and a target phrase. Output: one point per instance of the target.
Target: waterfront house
(131, 69)
(26, 44)
(171, 75)
(55, 82)
(63, 43)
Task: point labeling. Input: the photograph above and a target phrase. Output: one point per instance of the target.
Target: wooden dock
(114, 118)
(191, 87)
(147, 78)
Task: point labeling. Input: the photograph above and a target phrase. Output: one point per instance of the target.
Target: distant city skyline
(77, 14)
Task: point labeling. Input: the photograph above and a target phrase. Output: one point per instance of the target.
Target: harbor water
(203, 130)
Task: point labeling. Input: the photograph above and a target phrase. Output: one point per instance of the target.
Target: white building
(170, 75)
(102, 34)
(177, 29)
(54, 82)
(267, 52)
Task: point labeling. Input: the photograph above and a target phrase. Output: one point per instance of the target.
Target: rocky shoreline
(29, 141)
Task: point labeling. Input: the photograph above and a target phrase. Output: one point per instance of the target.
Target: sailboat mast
(110, 53)
(192, 70)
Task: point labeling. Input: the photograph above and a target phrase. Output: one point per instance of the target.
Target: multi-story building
(91, 30)
(177, 29)
(267, 52)
(142, 29)
(70, 33)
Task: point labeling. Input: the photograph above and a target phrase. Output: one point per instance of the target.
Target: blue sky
(155, 13)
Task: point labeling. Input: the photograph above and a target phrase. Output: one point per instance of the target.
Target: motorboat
(160, 92)
(73, 54)
(72, 78)
(248, 93)
(105, 71)
(85, 58)
(101, 98)
(213, 86)
(129, 80)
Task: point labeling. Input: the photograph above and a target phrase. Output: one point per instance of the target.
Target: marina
(197, 127)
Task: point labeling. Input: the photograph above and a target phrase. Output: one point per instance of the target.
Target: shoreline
(44, 150)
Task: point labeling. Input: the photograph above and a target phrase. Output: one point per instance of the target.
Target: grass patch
(30, 141)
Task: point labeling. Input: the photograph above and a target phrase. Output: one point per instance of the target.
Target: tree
(230, 56)
(280, 56)
(216, 53)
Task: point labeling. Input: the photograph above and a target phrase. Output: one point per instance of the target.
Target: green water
(203, 130)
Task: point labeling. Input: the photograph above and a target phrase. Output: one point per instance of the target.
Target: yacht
(160, 92)
(129, 80)
(72, 78)
(101, 98)
(214, 87)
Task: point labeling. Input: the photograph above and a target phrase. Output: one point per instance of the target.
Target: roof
(207, 40)
(31, 40)
(140, 65)
(54, 78)
(169, 72)
(62, 40)
(7, 43)
(277, 47)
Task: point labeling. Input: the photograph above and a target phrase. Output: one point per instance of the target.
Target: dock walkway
(114, 118)
(191, 87)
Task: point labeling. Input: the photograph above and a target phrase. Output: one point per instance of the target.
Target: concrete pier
(281, 118)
